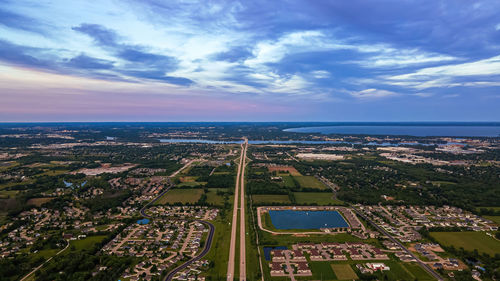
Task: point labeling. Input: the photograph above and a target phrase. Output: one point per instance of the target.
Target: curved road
(208, 245)
(211, 227)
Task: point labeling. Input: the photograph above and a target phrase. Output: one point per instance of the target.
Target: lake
(492, 130)
(289, 219)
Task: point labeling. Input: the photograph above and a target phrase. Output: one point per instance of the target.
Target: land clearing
(286, 169)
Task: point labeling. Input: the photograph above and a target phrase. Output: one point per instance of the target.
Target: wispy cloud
(372, 94)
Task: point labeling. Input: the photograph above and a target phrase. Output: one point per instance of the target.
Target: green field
(180, 196)
(190, 184)
(220, 249)
(270, 198)
(320, 198)
(309, 182)
(217, 200)
(87, 243)
(322, 271)
(469, 240)
(288, 181)
(417, 271)
(495, 219)
(344, 272)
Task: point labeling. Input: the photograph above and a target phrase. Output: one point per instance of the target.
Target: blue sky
(155, 60)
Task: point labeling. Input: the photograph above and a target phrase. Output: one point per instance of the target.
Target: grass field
(322, 271)
(344, 272)
(418, 272)
(87, 243)
(496, 219)
(180, 195)
(39, 201)
(213, 198)
(220, 249)
(190, 184)
(469, 241)
(270, 198)
(320, 198)
(288, 181)
(310, 182)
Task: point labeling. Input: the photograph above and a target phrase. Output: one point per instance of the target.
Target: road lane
(243, 271)
(232, 244)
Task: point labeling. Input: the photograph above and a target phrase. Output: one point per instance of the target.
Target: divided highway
(239, 195)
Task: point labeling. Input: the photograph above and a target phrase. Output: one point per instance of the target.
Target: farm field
(344, 272)
(309, 182)
(469, 241)
(270, 198)
(320, 198)
(183, 196)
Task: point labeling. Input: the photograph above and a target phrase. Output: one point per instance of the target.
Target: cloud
(424, 95)
(448, 75)
(372, 94)
(22, 55)
(85, 62)
(21, 22)
(99, 33)
(320, 74)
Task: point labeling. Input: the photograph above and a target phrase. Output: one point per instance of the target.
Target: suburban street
(423, 265)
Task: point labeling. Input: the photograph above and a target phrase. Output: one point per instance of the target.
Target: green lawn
(310, 182)
(417, 271)
(469, 240)
(320, 198)
(87, 243)
(322, 271)
(270, 198)
(344, 272)
(183, 196)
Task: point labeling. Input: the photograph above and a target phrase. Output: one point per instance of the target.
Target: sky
(152, 60)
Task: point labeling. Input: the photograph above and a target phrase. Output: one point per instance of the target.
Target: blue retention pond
(289, 219)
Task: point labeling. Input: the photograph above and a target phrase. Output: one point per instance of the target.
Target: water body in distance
(292, 142)
(483, 130)
(288, 219)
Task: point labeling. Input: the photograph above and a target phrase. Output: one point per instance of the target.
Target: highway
(423, 265)
(243, 270)
(232, 243)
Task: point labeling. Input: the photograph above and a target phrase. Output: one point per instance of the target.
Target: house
(278, 255)
(303, 268)
(276, 268)
(315, 255)
(298, 255)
